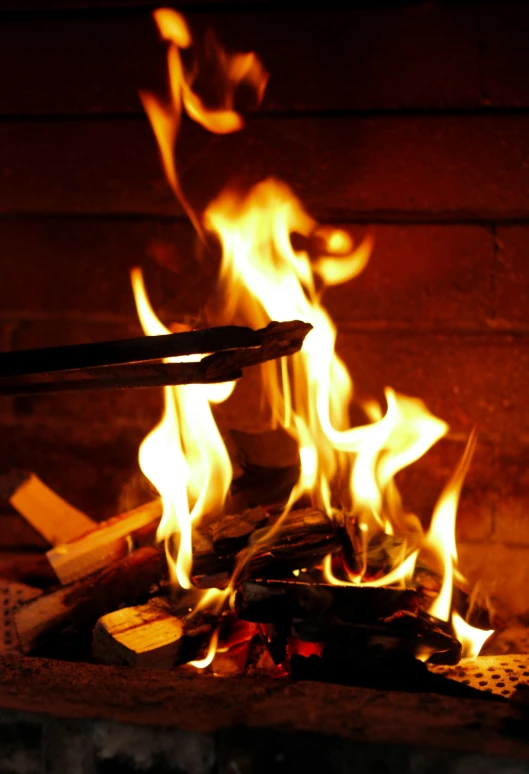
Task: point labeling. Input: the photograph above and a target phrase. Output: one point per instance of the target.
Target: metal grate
(494, 674)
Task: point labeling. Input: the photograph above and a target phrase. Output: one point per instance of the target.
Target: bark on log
(66, 611)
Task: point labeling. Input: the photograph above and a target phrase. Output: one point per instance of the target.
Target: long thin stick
(275, 341)
(106, 353)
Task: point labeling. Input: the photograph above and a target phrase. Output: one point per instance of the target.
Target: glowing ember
(349, 472)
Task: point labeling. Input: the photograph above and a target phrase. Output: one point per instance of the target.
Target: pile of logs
(108, 599)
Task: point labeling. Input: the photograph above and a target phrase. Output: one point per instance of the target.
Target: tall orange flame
(264, 277)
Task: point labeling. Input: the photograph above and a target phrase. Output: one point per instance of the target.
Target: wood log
(55, 519)
(70, 610)
(305, 536)
(377, 667)
(414, 633)
(152, 635)
(231, 533)
(105, 543)
(271, 601)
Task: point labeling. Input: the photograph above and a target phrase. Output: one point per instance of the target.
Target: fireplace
(383, 156)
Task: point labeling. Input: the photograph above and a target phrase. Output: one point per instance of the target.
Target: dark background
(410, 117)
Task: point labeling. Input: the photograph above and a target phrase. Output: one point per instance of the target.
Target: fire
(349, 472)
(184, 457)
(471, 639)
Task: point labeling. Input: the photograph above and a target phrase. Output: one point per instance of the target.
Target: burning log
(270, 601)
(105, 365)
(105, 543)
(151, 635)
(55, 519)
(67, 611)
(304, 538)
(377, 667)
(413, 633)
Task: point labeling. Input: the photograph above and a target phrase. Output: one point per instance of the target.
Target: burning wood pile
(316, 568)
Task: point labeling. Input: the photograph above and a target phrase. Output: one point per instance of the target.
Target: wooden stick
(105, 353)
(69, 610)
(277, 340)
(55, 519)
(105, 543)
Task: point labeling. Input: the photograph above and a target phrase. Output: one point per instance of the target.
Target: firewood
(230, 533)
(55, 519)
(270, 601)
(70, 610)
(305, 536)
(150, 635)
(376, 667)
(414, 633)
(105, 543)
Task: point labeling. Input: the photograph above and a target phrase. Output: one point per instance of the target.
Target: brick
(502, 573)
(422, 483)
(444, 166)
(423, 275)
(511, 481)
(504, 53)
(402, 57)
(465, 379)
(92, 465)
(512, 289)
(81, 267)
(139, 407)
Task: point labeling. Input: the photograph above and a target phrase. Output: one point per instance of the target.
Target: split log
(104, 544)
(70, 610)
(55, 519)
(377, 667)
(152, 635)
(271, 601)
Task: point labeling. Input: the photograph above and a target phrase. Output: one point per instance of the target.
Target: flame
(471, 639)
(184, 456)
(441, 538)
(210, 655)
(166, 116)
(264, 277)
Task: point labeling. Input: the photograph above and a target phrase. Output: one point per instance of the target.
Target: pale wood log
(55, 519)
(69, 610)
(105, 543)
(148, 635)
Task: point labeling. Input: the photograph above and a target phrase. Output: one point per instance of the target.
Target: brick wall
(410, 119)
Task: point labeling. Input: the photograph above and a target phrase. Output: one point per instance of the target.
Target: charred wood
(69, 611)
(269, 601)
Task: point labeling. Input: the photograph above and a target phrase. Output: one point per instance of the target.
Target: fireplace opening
(262, 385)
